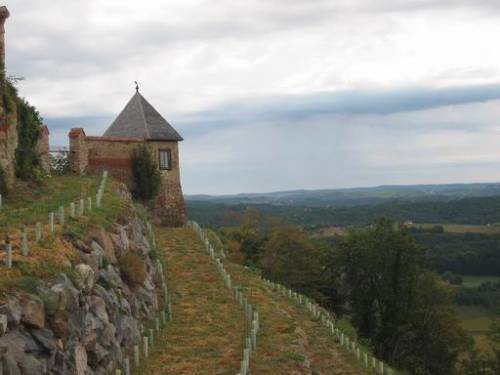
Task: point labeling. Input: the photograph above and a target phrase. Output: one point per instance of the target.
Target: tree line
(378, 276)
(483, 210)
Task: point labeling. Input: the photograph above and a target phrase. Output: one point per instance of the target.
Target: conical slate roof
(140, 119)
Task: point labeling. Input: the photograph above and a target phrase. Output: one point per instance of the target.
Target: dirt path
(205, 334)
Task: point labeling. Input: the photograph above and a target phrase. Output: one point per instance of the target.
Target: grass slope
(290, 342)
(53, 254)
(205, 335)
(28, 203)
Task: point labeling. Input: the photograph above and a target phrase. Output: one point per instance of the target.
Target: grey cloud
(354, 149)
(416, 5)
(60, 49)
(329, 151)
(286, 108)
(77, 60)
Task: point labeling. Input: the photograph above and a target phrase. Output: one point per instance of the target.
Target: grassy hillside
(205, 336)
(28, 204)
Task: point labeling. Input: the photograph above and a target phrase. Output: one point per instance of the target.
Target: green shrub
(145, 174)
(10, 95)
(27, 283)
(104, 283)
(29, 124)
(3, 182)
(153, 254)
(132, 268)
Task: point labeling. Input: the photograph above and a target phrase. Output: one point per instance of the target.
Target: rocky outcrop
(8, 114)
(83, 322)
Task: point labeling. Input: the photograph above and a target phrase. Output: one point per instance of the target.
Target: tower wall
(170, 208)
(94, 154)
(42, 149)
(78, 152)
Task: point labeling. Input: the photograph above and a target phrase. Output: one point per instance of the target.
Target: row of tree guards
(75, 210)
(252, 323)
(140, 352)
(366, 359)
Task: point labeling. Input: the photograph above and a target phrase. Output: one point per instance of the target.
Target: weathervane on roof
(136, 86)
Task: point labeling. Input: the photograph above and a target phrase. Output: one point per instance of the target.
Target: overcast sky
(277, 94)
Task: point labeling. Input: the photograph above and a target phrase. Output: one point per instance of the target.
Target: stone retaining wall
(85, 322)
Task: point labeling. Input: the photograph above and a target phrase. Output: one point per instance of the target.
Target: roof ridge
(146, 127)
(140, 119)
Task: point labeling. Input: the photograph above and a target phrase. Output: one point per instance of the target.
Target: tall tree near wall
(145, 174)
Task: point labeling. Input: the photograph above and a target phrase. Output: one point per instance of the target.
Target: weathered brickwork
(139, 123)
(111, 154)
(92, 155)
(42, 149)
(78, 153)
(170, 208)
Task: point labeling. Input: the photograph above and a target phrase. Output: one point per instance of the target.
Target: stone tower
(139, 123)
(4, 14)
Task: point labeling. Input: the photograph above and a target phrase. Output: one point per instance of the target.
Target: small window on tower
(165, 159)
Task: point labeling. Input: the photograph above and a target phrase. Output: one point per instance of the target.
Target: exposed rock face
(84, 324)
(33, 312)
(8, 119)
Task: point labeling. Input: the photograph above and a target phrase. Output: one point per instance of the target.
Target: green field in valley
(476, 321)
(461, 228)
(475, 281)
(448, 228)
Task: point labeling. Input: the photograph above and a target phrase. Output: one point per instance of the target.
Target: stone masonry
(138, 124)
(42, 148)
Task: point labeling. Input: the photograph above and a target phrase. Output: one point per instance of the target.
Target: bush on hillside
(132, 268)
(3, 182)
(145, 174)
(29, 123)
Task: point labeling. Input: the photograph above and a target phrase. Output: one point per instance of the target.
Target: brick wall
(42, 149)
(78, 152)
(95, 154)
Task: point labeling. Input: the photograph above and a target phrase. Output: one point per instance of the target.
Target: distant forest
(266, 235)
(483, 210)
(460, 253)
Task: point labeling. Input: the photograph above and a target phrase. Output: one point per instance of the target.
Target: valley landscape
(458, 223)
(279, 187)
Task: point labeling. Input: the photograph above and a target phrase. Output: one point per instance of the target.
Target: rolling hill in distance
(358, 196)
